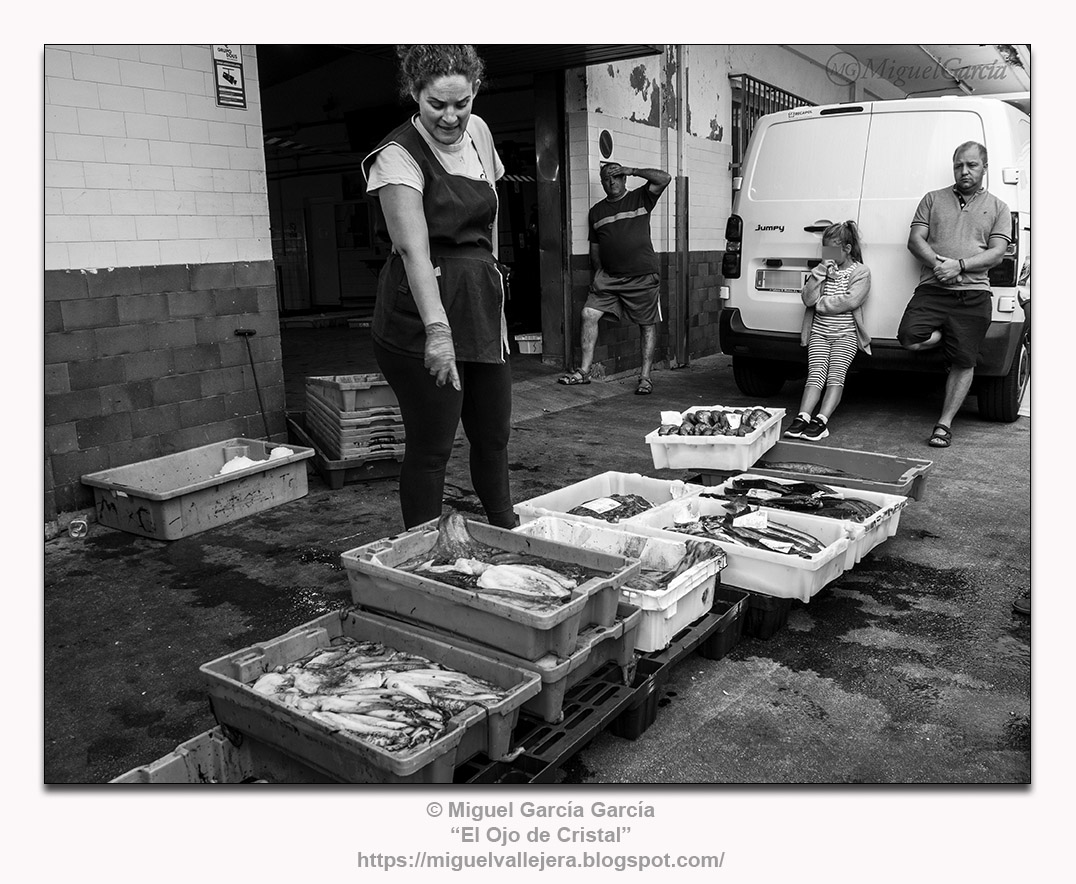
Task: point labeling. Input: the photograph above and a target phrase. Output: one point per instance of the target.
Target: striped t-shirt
(621, 230)
(837, 323)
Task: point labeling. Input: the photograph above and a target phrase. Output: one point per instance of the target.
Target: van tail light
(730, 261)
(1007, 273)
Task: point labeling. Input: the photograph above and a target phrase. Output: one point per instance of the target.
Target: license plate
(780, 280)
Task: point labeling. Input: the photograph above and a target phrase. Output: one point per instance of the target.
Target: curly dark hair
(422, 63)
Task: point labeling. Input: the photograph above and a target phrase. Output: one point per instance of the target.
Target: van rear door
(910, 152)
(803, 173)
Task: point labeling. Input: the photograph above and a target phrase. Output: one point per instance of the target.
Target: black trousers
(431, 415)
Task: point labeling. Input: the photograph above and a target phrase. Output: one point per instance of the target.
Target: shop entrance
(325, 107)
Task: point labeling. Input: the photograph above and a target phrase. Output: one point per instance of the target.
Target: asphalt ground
(912, 668)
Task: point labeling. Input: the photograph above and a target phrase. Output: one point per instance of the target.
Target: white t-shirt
(394, 165)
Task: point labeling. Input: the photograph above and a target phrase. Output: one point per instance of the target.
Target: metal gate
(752, 99)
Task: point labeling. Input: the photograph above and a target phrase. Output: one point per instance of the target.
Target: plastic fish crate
(378, 584)
(181, 494)
(715, 452)
(341, 754)
(213, 758)
(354, 392)
(337, 472)
(665, 611)
(357, 427)
(783, 575)
(864, 536)
(595, 647)
(352, 420)
(380, 443)
(864, 470)
(559, 502)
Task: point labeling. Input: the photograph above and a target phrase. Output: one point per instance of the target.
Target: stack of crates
(354, 417)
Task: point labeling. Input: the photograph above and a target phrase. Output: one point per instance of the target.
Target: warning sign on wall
(228, 69)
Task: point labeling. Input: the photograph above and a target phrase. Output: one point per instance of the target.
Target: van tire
(757, 377)
(999, 398)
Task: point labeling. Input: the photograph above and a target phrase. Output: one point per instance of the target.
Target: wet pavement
(912, 668)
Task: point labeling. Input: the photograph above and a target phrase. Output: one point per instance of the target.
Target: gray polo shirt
(961, 232)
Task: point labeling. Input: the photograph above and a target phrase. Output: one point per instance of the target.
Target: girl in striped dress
(833, 329)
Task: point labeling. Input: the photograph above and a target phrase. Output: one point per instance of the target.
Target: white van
(871, 162)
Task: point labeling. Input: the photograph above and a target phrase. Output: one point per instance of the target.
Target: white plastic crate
(715, 452)
(559, 502)
(664, 612)
(777, 574)
(865, 535)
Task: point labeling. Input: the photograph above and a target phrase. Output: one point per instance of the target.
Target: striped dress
(833, 343)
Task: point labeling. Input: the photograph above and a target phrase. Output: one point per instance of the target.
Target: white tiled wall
(142, 166)
(636, 144)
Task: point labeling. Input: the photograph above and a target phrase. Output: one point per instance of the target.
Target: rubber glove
(440, 355)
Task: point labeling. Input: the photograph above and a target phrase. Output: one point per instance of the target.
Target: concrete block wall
(144, 361)
(157, 249)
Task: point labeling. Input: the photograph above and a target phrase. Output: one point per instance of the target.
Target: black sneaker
(796, 428)
(815, 430)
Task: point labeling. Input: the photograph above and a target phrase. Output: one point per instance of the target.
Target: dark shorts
(633, 296)
(963, 318)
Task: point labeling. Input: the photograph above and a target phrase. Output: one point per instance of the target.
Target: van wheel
(999, 398)
(757, 377)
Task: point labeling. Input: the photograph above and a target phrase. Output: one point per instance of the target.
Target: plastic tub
(378, 584)
(211, 758)
(595, 647)
(865, 535)
(180, 494)
(338, 753)
(557, 503)
(714, 452)
(664, 612)
(353, 392)
(865, 470)
(530, 343)
(782, 575)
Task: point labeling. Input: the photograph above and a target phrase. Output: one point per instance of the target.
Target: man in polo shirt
(958, 233)
(624, 266)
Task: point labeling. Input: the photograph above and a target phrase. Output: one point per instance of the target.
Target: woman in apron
(439, 331)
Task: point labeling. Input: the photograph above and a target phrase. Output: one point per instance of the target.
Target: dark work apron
(460, 214)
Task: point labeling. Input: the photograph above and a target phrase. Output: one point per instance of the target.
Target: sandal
(645, 388)
(575, 379)
(942, 437)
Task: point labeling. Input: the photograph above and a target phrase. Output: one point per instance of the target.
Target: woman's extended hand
(440, 355)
